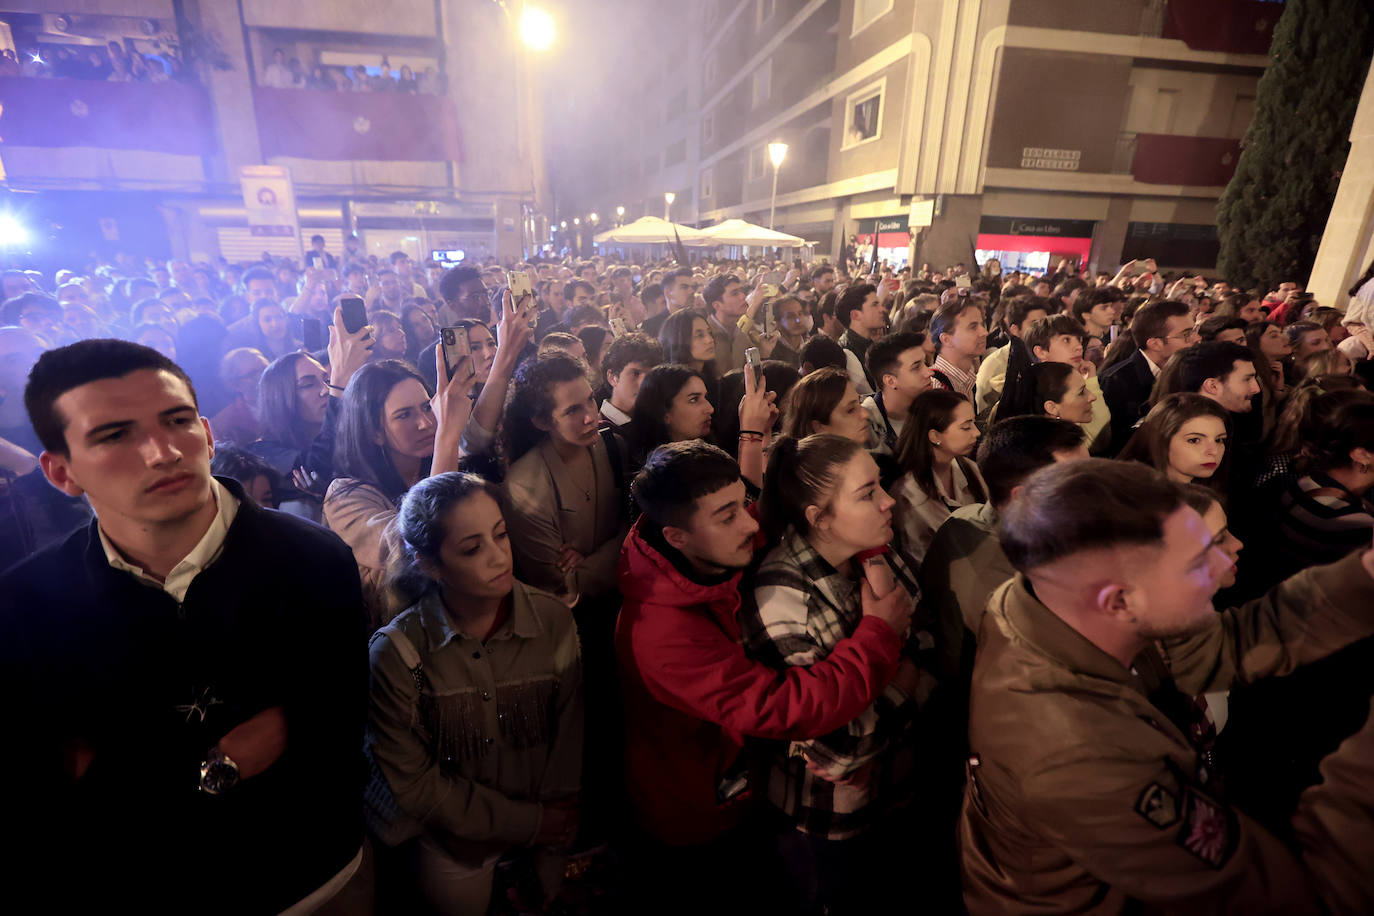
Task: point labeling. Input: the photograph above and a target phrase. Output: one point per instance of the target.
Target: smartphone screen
(354, 313)
(456, 346)
(752, 360)
(519, 283)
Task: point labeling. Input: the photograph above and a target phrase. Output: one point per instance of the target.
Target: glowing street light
(536, 29)
(777, 152)
(576, 221)
(563, 224)
(594, 219)
(620, 212)
(668, 198)
(12, 232)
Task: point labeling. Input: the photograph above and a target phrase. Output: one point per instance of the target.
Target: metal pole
(773, 207)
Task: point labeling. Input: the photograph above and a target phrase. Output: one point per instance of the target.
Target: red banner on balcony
(165, 117)
(1169, 159)
(1237, 26)
(311, 124)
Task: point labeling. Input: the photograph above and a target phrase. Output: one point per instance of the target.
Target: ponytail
(800, 474)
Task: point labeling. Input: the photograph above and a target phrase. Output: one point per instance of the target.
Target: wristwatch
(218, 774)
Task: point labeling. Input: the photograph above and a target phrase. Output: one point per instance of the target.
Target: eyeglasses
(1185, 336)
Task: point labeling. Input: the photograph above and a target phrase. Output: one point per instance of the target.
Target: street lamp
(594, 219)
(563, 224)
(577, 221)
(620, 214)
(668, 199)
(777, 152)
(536, 29)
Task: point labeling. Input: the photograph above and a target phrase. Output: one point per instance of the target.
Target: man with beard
(1086, 788)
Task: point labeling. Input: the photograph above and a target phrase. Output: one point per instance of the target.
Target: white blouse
(917, 516)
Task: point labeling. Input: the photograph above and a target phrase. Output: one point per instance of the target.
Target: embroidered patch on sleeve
(1209, 828)
(1158, 805)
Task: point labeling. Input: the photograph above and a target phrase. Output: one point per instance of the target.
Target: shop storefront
(893, 236)
(1033, 245)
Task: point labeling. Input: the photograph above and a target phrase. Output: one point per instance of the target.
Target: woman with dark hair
(595, 340)
(826, 401)
(566, 482)
(390, 334)
(266, 330)
(939, 475)
(1185, 437)
(421, 334)
(233, 308)
(1047, 389)
(672, 406)
(298, 416)
(392, 433)
(687, 340)
(476, 779)
(840, 794)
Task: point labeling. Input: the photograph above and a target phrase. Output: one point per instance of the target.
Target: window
(867, 12)
(766, 9)
(708, 128)
(863, 115)
(763, 82)
(675, 153)
(706, 189)
(757, 159)
(709, 76)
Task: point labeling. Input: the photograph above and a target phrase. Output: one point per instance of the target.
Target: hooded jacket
(692, 695)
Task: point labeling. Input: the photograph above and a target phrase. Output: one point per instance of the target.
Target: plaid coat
(801, 608)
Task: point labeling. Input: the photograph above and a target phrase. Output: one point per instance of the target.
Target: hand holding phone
(354, 313)
(456, 346)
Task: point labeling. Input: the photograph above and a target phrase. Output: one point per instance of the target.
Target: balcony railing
(161, 117)
(389, 126)
(1237, 26)
(1199, 161)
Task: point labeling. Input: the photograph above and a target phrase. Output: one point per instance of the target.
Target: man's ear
(58, 471)
(677, 538)
(209, 436)
(1210, 387)
(1110, 601)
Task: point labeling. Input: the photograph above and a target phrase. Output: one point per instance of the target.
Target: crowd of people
(284, 73)
(735, 586)
(116, 62)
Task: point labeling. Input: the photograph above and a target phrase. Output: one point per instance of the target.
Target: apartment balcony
(1178, 160)
(70, 133)
(1235, 26)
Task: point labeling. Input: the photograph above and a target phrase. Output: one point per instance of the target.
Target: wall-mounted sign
(922, 213)
(1018, 225)
(1057, 160)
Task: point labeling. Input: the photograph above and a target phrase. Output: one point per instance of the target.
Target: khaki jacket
(1084, 797)
(549, 509)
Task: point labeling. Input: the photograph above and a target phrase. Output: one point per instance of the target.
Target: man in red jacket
(691, 694)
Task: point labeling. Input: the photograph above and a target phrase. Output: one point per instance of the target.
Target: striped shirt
(1322, 521)
(962, 381)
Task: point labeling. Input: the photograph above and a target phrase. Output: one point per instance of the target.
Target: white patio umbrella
(648, 230)
(743, 232)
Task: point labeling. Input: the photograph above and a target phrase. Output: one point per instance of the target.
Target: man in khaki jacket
(1085, 793)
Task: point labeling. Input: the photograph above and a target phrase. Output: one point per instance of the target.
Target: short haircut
(1043, 330)
(821, 271)
(237, 463)
(59, 371)
(945, 318)
(675, 476)
(257, 273)
(1152, 320)
(585, 315)
(316, 238)
(820, 352)
(1067, 286)
(651, 293)
(851, 301)
(1212, 359)
(1091, 298)
(13, 308)
(1021, 306)
(398, 256)
(452, 282)
(356, 268)
(885, 354)
(632, 348)
(1217, 324)
(570, 289)
(1015, 448)
(671, 277)
(1075, 506)
(715, 290)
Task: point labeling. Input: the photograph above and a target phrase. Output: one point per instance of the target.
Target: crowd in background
(117, 62)
(674, 573)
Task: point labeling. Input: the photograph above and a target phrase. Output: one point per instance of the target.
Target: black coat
(92, 655)
(1126, 387)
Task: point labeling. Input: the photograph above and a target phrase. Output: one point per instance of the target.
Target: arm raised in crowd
(513, 334)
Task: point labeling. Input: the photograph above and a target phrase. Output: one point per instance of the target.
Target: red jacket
(692, 695)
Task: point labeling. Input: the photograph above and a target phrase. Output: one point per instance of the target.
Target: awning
(743, 232)
(650, 230)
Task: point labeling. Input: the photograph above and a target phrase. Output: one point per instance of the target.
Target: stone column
(1348, 243)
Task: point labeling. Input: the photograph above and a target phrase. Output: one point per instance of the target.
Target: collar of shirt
(206, 551)
(963, 381)
(613, 413)
(963, 493)
(1154, 370)
(521, 623)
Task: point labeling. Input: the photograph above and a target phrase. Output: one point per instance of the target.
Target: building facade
(388, 116)
(1029, 130)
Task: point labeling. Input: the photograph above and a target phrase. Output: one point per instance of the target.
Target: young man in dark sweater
(186, 676)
